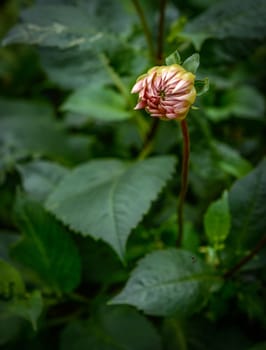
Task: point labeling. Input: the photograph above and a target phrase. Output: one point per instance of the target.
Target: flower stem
(246, 259)
(184, 180)
(145, 27)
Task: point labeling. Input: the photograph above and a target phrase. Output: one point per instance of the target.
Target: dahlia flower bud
(166, 92)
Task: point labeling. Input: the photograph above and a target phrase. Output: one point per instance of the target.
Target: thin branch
(147, 146)
(116, 79)
(159, 56)
(145, 27)
(246, 259)
(184, 180)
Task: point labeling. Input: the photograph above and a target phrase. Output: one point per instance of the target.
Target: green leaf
(217, 221)
(246, 102)
(228, 19)
(174, 58)
(202, 86)
(230, 161)
(206, 177)
(50, 25)
(7, 238)
(18, 107)
(259, 346)
(108, 198)
(197, 39)
(251, 300)
(10, 328)
(64, 26)
(11, 283)
(192, 63)
(29, 308)
(191, 238)
(73, 68)
(242, 102)
(13, 297)
(33, 130)
(69, 26)
(100, 264)
(46, 247)
(167, 282)
(101, 103)
(39, 177)
(114, 328)
(247, 199)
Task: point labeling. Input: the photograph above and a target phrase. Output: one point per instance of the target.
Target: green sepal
(202, 86)
(174, 58)
(192, 63)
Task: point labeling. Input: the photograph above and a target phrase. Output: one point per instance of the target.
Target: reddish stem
(246, 259)
(184, 180)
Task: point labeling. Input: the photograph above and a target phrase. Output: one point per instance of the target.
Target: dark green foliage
(46, 247)
(112, 328)
(247, 203)
(233, 19)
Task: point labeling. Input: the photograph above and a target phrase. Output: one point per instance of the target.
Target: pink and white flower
(166, 92)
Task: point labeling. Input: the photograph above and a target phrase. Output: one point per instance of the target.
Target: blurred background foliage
(66, 71)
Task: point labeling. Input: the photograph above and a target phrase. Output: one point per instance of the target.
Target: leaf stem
(228, 274)
(145, 27)
(184, 180)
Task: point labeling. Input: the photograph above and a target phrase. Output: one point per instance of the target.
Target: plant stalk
(228, 274)
(184, 181)
(148, 143)
(145, 27)
(160, 39)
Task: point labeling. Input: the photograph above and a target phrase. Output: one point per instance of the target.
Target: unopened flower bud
(166, 92)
